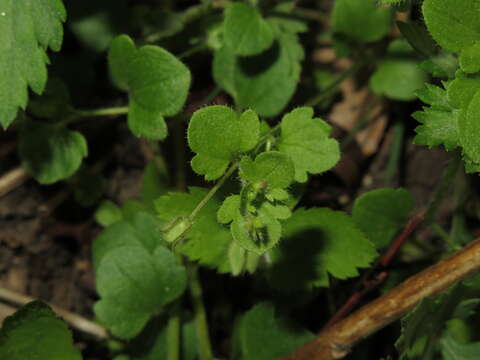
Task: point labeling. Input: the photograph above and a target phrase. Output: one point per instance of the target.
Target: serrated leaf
(245, 31)
(273, 167)
(263, 337)
(35, 332)
(461, 90)
(453, 25)
(438, 128)
(135, 274)
(27, 29)
(361, 20)
(207, 241)
(398, 79)
(315, 243)
(469, 129)
(265, 82)
(51, 153)
(381, 213)
(217, 134)
(435, 96)
(470, 58)
(305, 139)
(146, 123)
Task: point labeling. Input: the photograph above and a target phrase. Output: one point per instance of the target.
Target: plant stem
(204, 346)
(213, 190)
(335, 342)
(173, 335)
(79, 115)
(193, 50)
(395, 152)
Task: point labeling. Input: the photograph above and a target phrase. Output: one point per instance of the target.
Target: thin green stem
(395, 152)
(193, 50)
(200, 315)
(79, 115)
(335, 84)
(173, 335)
(213, 190)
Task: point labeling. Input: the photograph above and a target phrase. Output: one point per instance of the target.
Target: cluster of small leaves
(452, 117)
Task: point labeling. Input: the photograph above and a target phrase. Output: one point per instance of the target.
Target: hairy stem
(201, 325)
(335, 342)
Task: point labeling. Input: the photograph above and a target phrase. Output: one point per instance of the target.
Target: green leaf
(135, 274)
(35, 332)
(469, 129)
(453, 350)
(315, 243)
(108, 213)
(207, 241)
(453, 25)
(272, 167)
(418, 37)
(422, 327)
(398, 79)
(381, 213)
(228, 210)
(470, 58)
(245, 31)
(438, 128)
(265, 82)
(236, 258)
(51, 153)
(27, 29)
(218, 134)
(143, 122)
(257, 233)
(435, 96)
(461, 90)
(305, 139)
(361, 20)
(263, 337)
(156, 80)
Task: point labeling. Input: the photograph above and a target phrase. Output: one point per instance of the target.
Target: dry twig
(335, 342)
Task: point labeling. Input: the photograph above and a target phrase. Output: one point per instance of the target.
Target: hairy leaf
(306, 140)
(461, 90)
(207, 241)
(438, 127)
(273, 167)
(35, 332)
(27, 29)
(469, 129)
(453, 24)
(217, 134)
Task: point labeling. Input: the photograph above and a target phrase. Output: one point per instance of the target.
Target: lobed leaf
(305, 139)
(27, 29)
(218, 134)
(315, 243)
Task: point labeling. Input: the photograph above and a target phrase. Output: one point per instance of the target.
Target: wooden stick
(12, 179)
(335, 342)
(76, 321)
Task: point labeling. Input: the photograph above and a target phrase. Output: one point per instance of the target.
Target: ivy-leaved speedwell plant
(253, 154)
